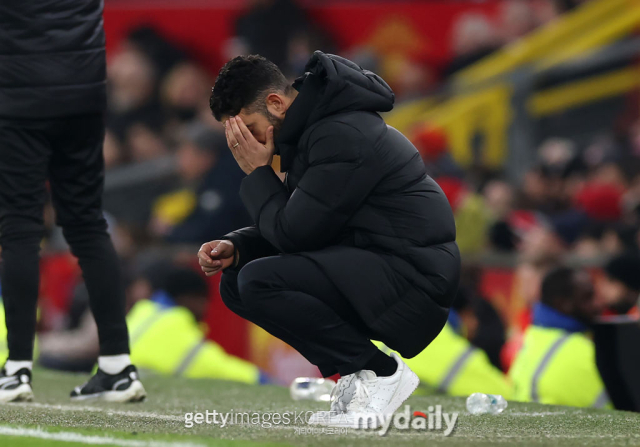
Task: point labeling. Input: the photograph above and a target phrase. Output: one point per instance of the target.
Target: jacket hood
(331, 84)
(346, 87)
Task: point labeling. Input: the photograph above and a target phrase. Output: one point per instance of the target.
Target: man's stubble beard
(275, 122)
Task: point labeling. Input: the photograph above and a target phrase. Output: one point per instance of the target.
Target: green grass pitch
(159, 422)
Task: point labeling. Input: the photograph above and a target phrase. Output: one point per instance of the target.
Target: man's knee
(231, 295)
(229, 289)
(254, 280)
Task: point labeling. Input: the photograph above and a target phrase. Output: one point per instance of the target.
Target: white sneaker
(377, 398)
(341, 395)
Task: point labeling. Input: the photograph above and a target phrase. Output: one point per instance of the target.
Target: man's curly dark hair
(243, 83)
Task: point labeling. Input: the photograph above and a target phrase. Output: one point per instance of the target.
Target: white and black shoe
(122, 387)
(16, 387)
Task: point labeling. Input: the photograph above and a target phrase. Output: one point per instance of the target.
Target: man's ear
(276, 104)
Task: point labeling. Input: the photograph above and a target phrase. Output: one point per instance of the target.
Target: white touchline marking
(139, 414)
(150, 415)
(109, 412)
(88, 439)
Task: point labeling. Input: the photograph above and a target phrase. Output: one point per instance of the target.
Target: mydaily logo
(406, 420)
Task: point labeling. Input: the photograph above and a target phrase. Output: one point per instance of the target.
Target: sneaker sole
(135, 393)
(22, 393)
(319, 418)
(330, 420)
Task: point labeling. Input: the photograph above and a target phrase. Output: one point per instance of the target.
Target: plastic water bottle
(480, 403)
(311, 388)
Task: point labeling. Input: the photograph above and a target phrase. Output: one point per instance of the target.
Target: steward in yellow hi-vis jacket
(557, 364)
(452, 365)
(166, 338)
(4, 350)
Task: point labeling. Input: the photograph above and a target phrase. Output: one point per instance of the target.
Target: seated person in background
(75, 348)
(166, 338)
(556, 364)
(479, 322)
(452, 365)
(209, 205)
(620, 285)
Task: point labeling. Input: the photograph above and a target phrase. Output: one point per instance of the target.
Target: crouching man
(358, 244)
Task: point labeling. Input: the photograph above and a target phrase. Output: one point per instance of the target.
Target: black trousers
(291, 298)
(68, 152)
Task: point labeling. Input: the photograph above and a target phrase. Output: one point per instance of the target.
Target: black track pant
(68, 152)
(291, 298)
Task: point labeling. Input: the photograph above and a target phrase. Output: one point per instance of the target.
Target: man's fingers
(204, 254)
(211, 272)
(236, 132)
(218, 265)
(230, 139)
(215, 265)
(208, 246)
(215, 255)
(248, 136)
(222, 251)
(204, 257)
(222, 257)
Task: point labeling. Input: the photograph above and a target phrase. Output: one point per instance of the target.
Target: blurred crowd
(577, 201)
(156, 87)
(158, 104)
(475, 36)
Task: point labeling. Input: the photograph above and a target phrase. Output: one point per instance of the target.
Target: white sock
(13, 366)
(113, 364)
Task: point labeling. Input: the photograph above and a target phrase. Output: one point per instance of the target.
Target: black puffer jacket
(353, 181)
(52, 58)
